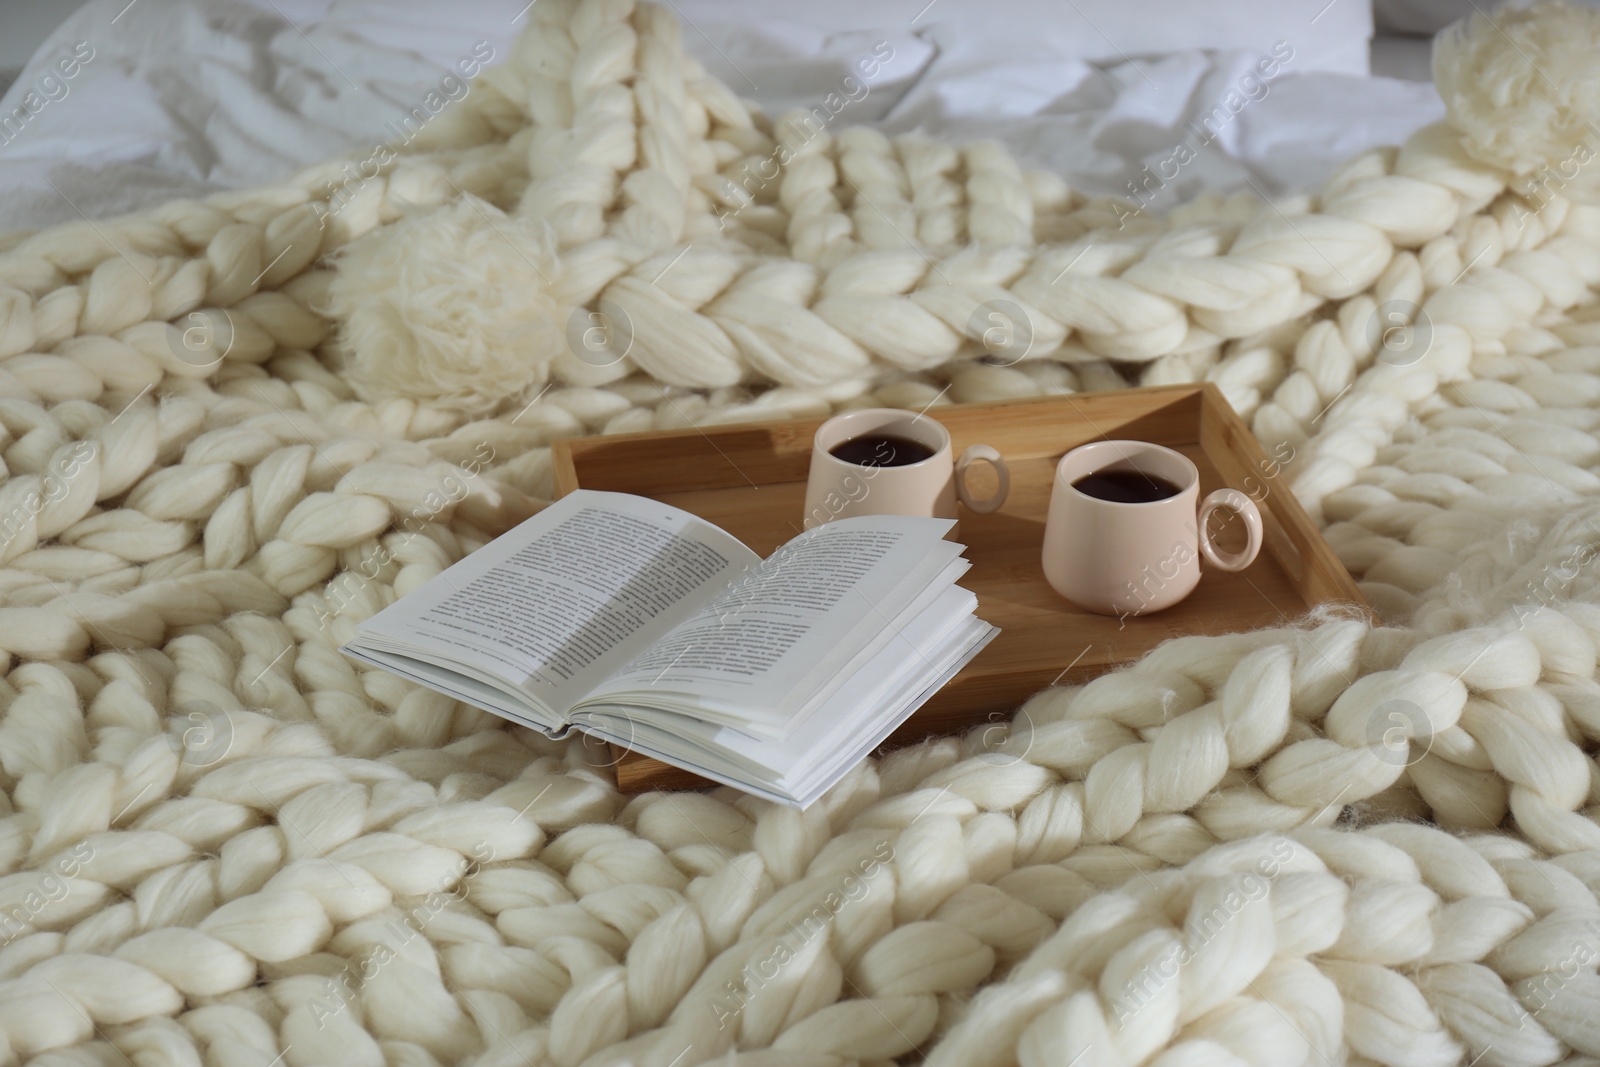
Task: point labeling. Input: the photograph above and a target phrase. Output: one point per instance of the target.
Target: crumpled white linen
(184, 97)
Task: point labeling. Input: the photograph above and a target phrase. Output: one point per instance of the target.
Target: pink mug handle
(1245, 508)
(990, 455)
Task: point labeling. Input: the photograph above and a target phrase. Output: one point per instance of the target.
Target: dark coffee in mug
(881, 450)
(1125, 487)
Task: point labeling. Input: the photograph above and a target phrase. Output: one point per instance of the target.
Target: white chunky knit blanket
(232, 429)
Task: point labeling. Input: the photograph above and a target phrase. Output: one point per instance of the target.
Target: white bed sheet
(186, 97)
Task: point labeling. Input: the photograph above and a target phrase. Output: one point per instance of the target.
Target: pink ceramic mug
(879, 485)
(1119, 553)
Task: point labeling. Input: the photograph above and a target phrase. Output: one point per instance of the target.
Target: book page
(877, 698)
(584, 586)
(773, 638)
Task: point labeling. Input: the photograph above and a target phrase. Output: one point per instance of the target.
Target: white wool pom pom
(450, 306)
(1523, 88)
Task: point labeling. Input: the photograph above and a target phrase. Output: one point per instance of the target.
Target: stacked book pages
(639, 623)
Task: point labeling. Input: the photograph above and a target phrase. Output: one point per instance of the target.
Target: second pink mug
(1126, 528)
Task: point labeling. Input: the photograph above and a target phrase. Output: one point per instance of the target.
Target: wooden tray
(750, 480)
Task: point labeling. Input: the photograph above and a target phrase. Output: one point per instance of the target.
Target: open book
(642, 624)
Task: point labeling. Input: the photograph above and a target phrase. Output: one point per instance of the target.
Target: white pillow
(1427, 17)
